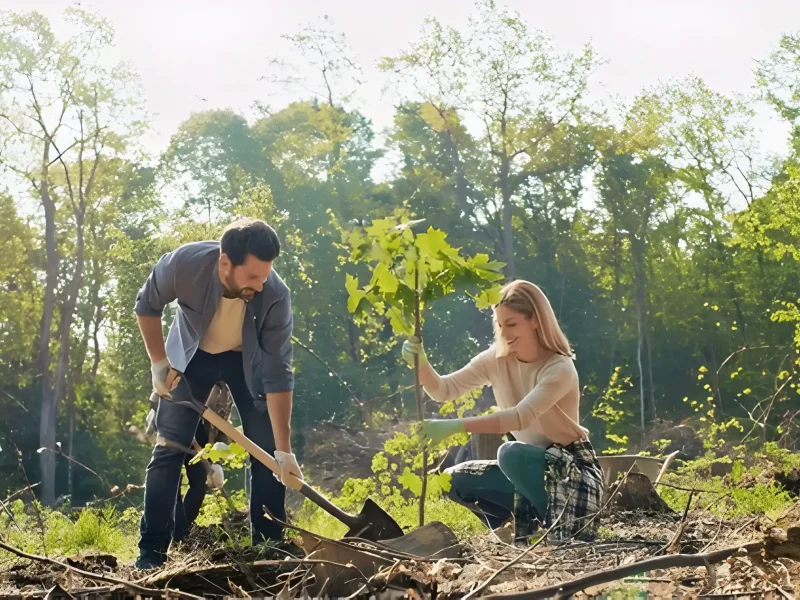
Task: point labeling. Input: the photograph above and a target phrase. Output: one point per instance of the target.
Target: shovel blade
(374, 523)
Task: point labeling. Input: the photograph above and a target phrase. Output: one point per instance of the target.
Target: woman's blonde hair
(528, 300)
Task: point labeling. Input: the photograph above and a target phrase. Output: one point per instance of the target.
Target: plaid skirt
(575, 490)
(573, 486)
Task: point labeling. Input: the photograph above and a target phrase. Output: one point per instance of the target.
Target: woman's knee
(508, 455)
(515, 457)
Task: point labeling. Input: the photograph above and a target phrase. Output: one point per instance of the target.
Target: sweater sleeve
(472, 376)
(554, 381)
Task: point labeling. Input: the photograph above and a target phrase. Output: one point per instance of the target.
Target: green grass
(406, 513)
(737, 493)
(39, 530)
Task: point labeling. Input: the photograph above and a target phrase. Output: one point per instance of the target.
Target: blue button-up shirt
(190, 275)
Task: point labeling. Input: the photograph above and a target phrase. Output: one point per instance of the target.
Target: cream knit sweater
(539, 402)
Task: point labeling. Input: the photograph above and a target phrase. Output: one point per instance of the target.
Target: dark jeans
(497, 489)
(188, 507)
(179, 423)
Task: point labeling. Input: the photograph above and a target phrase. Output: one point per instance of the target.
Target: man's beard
(231, 290)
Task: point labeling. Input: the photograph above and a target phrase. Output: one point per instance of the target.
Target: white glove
(288, 464)
(411, 347)
(165, 378)
(220, 446)
(217, 477)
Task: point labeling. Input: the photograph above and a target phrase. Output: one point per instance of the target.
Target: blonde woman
(551, 467)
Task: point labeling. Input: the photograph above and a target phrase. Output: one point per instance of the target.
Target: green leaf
(438, 484)
(487, 298)
(400, 324)
(356, 294)
(433, 244)
(385, 279)
(237, 450)
(411, 481)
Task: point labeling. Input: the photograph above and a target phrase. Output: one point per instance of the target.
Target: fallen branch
(569, 588)
(165, 593)
(224, 568)
(20, 491)
(685, 489)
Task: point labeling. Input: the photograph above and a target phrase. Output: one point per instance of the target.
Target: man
(233, 324)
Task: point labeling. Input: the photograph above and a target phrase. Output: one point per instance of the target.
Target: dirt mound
(682, 438)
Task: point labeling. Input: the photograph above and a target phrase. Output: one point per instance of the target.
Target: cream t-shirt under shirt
(224, 333)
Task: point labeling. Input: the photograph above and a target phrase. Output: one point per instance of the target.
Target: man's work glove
(288, 464)
(216, 479)
(165, 378)
(412, 347)
(436, 430)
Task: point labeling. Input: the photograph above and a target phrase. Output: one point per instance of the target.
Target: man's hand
(288, 464)
(165, 378)
(216, 478)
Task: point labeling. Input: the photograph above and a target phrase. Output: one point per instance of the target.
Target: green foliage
(42, 530)
(746, 488)
(615, 409)
(233, 457)
(407, 267)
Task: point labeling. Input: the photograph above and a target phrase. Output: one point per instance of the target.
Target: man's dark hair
(249, 236)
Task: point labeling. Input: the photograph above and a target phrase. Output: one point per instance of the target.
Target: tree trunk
(68, 313)
(71, 445)
(64, 331)
(508, 232)
(47, 423)
(646, 398)
(420, 407)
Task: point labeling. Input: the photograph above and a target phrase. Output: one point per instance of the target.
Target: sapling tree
(409, 271)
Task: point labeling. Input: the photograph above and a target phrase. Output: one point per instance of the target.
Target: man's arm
(279, 405)
(150, 328)
(278, 375)
(158, 290)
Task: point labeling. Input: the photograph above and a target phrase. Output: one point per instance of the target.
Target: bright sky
(186, 50)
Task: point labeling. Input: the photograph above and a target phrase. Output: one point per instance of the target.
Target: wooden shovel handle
(258, 453)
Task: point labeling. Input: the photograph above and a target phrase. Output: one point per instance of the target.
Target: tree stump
(486, 445)
(481, 446)
(636, 492)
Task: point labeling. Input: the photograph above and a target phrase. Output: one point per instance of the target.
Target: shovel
(372, 523)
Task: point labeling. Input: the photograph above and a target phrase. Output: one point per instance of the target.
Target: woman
(551, 469)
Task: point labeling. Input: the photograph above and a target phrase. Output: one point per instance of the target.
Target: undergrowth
(36, 529)
(734, 483)
(741, 486)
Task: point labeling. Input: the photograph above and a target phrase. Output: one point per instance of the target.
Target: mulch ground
(488, 565)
